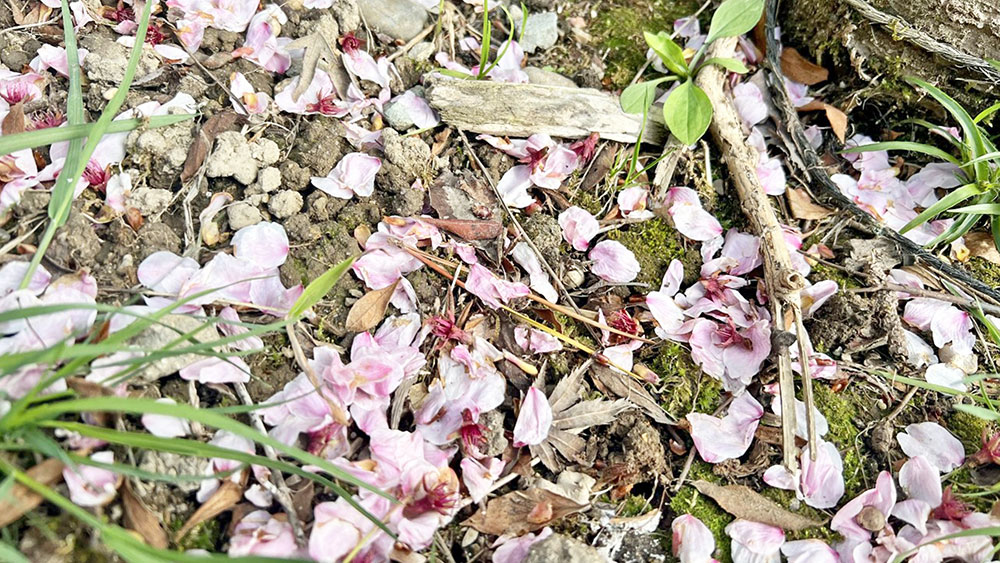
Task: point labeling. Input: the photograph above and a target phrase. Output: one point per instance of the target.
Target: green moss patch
(655, 244)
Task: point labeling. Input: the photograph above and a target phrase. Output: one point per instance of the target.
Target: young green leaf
(979, 208)
(734, 17)
(638, 97)
(688, 113)
(971, 133)
(669, 52)
(318, 288)
(732, 65)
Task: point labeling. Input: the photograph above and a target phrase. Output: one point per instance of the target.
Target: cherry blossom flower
(479, 476)
(92, 486)
(254, 102)
(353, 175)
(491, 289)
(929, 439)
(262, 45)
(730, 353)
(692, 540)
(613, 262)
(719, 439)
(632, 203)
(534, 420)
(319, 98)
(462, 391)
(165, 426)
(338, 528)
(820, 483)
(578, 227)
(690, 219)
(263, 535)
(55, 58)
(754, 542)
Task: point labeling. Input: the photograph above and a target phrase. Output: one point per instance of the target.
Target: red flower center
(15, 92)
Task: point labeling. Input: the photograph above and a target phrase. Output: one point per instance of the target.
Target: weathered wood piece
(521, 110)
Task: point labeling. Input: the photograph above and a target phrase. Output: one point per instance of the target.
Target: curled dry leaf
(800, 69)
(225, 497)
(837, 118)
(743, 502)
(368, 311)
(22, 499)
(520, 512)
(981, 244)
(134, 218)
(141, 519)
(802, 206)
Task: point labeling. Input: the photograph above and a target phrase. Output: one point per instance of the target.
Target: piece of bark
(521, 110)
(783, 281)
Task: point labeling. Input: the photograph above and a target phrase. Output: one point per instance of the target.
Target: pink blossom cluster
(544, 163)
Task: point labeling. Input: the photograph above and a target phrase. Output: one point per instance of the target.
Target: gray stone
(107, 60)
(541, 31)
(547, 77)
(150, 201)
(158, 336)
(269, 179)
(400, 19)
(397, 116)
(558, 549)
(285, 204)
(232, 158)
(242, 214)
(422, 51)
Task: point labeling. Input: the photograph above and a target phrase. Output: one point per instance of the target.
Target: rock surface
(558, 549)
(541, 31)
(400, 19)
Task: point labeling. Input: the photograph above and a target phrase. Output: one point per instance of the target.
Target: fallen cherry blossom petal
(729, 437)
(163, 425)
(92, 486)
(261, 534)
(754, 542)
(578, 227)
(353, 175)
(217, 370)
(613, 262)
(921, 480)
(692, 540)
(534, 420)
(929, 439)
(491, 289)
(479, 476)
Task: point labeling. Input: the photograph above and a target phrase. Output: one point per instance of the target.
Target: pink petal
(513, 187)
(534, 420)
(480, 476)
(946, 375)
(418, 110)
(492, 290)
(165, 426)
(914, 512)
(672, 278)
(515, 550)
(669, 317)
(729, 437)
(693, 221)
(353, 175)
(749, 103)
(613, 262)
(919, 353)
(555, 167)
(578, 227)
(264, 245)
(817, 294)
(165, 271)
(262, 535)
(692, 540)
(536, 341)
(930, 440)
(882, 498)
(921, 480)
(632, 203)
(12, 273)
(539, 280)
(754, 542)
(809, 551)
(92, 486)
(772, 176)
(822, 480)
(217, 370)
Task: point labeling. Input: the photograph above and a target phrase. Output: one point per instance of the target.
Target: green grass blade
(45, 137)
(986, 113)
(947, 202)
(62, 191)
(318, 288)
(959, 228)
(970, 129)
(11, 555)
(484, 48)
(908, 146)
(979, 208)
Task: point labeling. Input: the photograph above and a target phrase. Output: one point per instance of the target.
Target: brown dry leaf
(202, 145)
(743, 502)
(141, 519)
(21, 499)
(803, 207)
(224, 498)
(520, 512)
(800, 69)
(468, 229)
(368, 311)
(838, 121)
(982, 245)
(14, 122)
(134, 218)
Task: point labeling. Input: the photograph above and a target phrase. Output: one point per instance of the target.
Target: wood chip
(368, 311)
(743, 502)
(800, 69)
(802, 206)
(468, 230)
(521, 110)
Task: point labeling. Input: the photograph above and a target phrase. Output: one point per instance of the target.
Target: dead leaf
(837, 118)
(800, 69)
(802, 206)
(743, 502)
(981, 245)
(14, 122)
(468, 230)
(320, 51)
(202, 145)
(368, 311)
(141, 519)
(86, 388)
(134, 218)
(628, 388)
(22, 499)
(361, 234)
(224, 498)
(520, 512)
